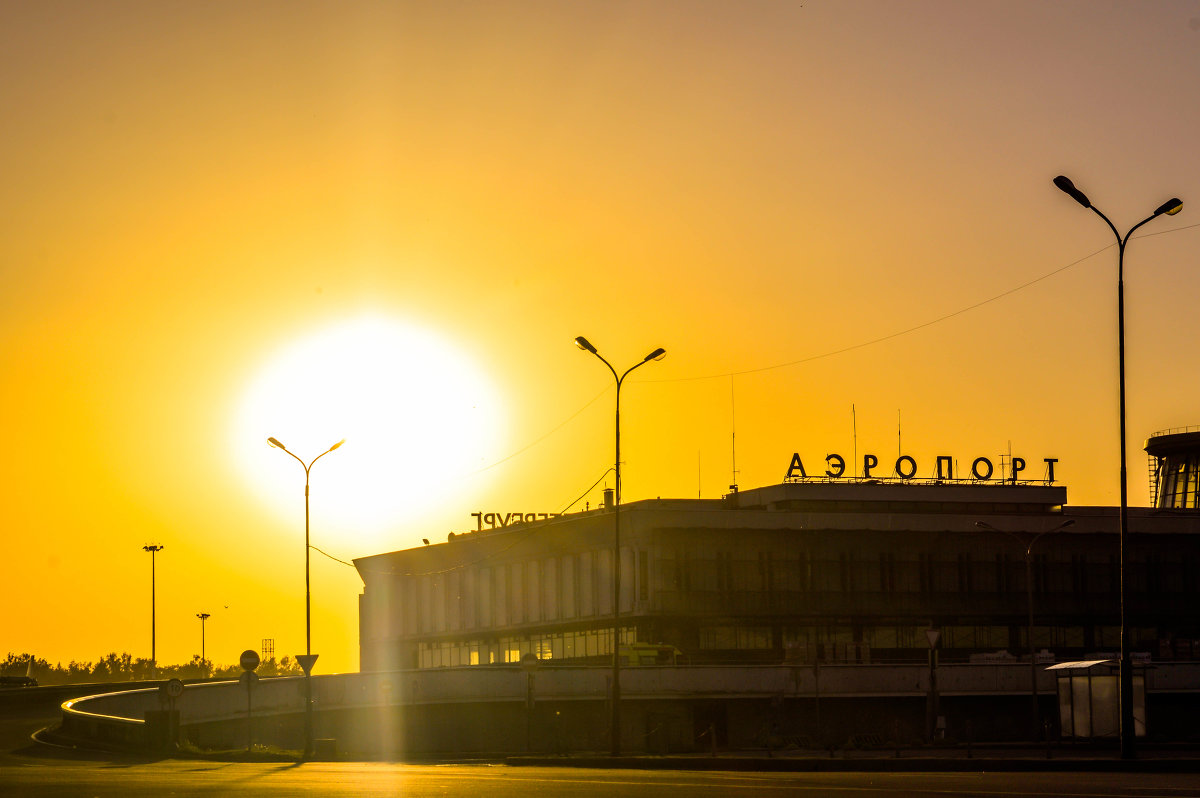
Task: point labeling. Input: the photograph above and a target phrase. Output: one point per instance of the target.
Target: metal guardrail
(126, 732)
(1176, 431)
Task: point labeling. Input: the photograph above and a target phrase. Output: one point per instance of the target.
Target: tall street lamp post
(1170, 208)
(308, 660)
(203, 616)
(657, 354)
(1028, 543)
(153, 548)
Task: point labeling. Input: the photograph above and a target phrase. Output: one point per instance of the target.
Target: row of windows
(594, 643)
(811, 637)
(735, 637)
(510, 649)
(568, 587)
(579, 586)
(981, 638)
(965, 574)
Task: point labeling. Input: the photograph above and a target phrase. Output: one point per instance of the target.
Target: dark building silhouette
(815, 570)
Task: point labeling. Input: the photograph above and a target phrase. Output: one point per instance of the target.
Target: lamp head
(1170, 207)
(1067, 187)
(657, 354)
(275, 442)
(584, 344)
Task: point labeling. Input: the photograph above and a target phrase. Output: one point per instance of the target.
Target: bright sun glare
(418, 417)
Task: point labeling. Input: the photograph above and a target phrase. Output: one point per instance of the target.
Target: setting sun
(417, 417)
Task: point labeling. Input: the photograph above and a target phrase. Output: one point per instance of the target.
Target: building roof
(1161, 444)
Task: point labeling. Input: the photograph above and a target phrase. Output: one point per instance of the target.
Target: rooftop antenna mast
(733, 434)
(854, 430)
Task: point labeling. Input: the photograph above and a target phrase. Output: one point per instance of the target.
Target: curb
(903, 765)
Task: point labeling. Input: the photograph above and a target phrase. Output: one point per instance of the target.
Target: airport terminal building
(874, 611)
(815, 569)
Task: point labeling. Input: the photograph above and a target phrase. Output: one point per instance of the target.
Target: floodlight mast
(153, 548)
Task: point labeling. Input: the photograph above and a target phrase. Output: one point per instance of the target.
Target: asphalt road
(30, 769)
(182, 778)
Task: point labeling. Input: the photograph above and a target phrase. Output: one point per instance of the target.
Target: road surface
(29, 769)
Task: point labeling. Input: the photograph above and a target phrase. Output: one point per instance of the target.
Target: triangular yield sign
(306, 662)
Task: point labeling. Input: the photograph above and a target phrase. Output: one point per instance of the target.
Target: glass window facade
(1179, 487)
(580, 645)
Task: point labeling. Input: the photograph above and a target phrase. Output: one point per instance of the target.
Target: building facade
(835, 571)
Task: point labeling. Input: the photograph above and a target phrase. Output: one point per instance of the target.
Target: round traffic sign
(249, 659)
(174, 688)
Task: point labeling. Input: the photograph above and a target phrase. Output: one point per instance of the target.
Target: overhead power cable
(459, 566)
(914, 328)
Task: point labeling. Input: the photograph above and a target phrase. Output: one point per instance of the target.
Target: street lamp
(309, 659)
(1028, 542)
(657, 354)
(1170, 208)
(153, 548)
(203, 616)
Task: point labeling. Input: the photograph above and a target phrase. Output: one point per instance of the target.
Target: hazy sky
(387, 222)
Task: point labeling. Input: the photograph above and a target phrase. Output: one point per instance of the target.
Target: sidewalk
(1156, 759)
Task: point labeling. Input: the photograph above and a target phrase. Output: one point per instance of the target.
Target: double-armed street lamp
(153, 548)
(1028, 541)
(657, 354)
(1169, 208)
(307, 661)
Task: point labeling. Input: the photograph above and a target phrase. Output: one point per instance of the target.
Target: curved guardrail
(99, 727)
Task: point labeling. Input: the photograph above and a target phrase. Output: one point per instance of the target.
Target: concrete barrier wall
(219, 708)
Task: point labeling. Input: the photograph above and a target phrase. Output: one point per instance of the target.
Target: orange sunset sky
(225, 221)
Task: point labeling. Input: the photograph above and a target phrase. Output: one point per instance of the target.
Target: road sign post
(306, 662)
(248, 679)
(249, 661)
(162, 726)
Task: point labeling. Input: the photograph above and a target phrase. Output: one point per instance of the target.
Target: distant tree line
(114, 667)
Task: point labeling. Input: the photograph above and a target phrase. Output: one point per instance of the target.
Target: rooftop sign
(494, 520)
(905, 469)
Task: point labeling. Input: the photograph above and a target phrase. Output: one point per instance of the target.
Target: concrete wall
(488, 708)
